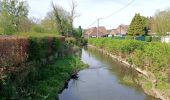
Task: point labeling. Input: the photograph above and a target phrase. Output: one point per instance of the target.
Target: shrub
(148, 38)
(118, 37)
(129, 37)
(38, 29)
(55, 44)
(156, 39)
(42, 47)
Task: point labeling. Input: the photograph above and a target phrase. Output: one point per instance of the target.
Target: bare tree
(73, 13)
(58, 19)
(62, 20)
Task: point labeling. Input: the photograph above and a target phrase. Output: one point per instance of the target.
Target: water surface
(105, 79)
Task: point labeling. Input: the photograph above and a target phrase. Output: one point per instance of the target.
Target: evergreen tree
(138, 26)
(79, 31)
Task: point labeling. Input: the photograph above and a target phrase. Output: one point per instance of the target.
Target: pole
(120, 29)
(98, 28)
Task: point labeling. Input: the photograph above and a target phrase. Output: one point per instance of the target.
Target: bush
(42, 47)
(55, 44)
(38, 29)
(129, 37)
(148, 38)
(118, 37)
(156, 39)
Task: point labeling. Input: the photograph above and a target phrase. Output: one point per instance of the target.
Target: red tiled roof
(93, 30)
(120, 29)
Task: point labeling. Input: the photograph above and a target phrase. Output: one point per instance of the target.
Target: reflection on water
(104, 80)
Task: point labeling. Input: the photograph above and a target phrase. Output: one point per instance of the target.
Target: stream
(105, 79)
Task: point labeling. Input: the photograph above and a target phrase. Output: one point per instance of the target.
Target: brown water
(105, 79)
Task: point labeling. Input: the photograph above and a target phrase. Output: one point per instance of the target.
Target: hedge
(17, 50)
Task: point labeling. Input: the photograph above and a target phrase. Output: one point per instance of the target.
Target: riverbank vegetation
(37, 56)
(152, 57)
(36, 67)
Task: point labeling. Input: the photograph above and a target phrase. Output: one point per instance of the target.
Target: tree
(78, 32)
(160, 23)
(49, 24)
(138, 26)
(73, 14)
(12, 13)
(62, 20)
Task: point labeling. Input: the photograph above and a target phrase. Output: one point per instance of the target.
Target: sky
(90, 10)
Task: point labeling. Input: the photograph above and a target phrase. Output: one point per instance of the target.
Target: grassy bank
(36, 67)
(151, 57)
(43, 81)
(53, 77)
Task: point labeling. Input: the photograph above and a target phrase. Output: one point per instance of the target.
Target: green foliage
(33, 34)
(81, 41)
(54, 76)
(12, 12)
(36, 47)
(49, 24)
(138, 25)
(130, 37)
(118, 37)
(148, 38)
(150, 56)
(156, 39)
(62, 20)
(39, 47)
(70, 42)
(56, 44)
(38, 29)
(8, 90)
(160, 22)
(78, 32)
(38, 80)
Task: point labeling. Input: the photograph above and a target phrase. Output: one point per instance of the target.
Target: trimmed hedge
(17, 50)
(21, 63)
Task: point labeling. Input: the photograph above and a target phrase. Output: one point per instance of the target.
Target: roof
(114, 31)
(123, 29)
(93, 30)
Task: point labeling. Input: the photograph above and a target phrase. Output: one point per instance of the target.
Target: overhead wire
(117, 11)
(91, 24)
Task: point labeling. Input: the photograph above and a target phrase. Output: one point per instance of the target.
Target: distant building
(121, 30)
(92, 32)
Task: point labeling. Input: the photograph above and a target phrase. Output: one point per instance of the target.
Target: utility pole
(98, 22)
(98, 27)
(120, 29)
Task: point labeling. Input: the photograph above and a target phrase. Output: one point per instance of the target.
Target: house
(92, 32)
(121, 30)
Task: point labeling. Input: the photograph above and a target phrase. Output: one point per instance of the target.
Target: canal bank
(105, 79)
(144, 75)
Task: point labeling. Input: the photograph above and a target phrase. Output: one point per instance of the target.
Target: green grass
(163, 86)
(148, 85)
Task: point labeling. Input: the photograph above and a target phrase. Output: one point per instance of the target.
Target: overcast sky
(90, 10)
